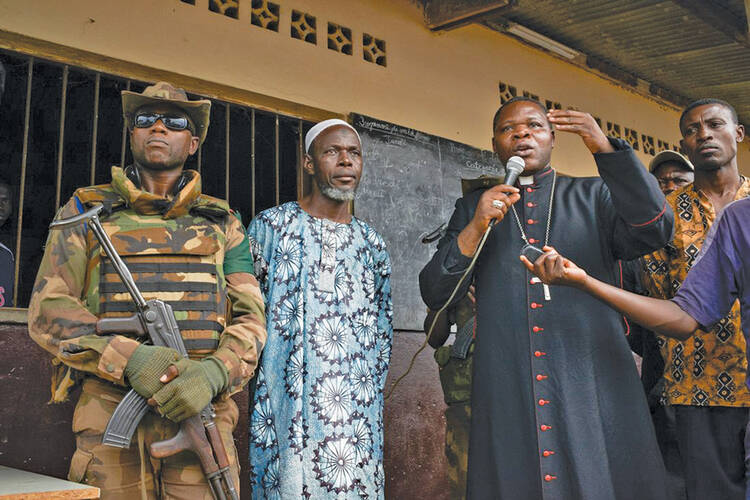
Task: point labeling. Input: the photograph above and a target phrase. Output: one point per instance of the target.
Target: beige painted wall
(444, 84)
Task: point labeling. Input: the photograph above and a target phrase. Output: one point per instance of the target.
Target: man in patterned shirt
(316, 424)
(673, 171)
(704, 406)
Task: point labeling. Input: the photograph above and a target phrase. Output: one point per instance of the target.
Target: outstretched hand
(582, 124)
(554, 269)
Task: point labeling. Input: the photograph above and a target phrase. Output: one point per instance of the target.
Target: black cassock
(558, 411)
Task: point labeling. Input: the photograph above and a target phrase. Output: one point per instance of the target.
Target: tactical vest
(179, 261)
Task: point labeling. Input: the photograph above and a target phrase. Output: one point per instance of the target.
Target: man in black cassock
(558, 411)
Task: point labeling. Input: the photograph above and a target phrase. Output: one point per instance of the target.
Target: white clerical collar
(526, 180)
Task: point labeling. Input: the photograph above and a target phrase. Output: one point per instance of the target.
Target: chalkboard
(410, 184)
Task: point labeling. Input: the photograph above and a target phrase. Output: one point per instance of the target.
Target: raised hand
(554, 269)
(582, 124)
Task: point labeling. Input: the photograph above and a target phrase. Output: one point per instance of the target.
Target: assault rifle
(155, 319)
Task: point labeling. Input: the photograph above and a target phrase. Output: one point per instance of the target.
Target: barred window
(61, 127)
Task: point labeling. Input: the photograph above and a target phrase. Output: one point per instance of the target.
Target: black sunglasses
(145, 120)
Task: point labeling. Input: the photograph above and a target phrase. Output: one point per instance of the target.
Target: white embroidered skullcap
(320, 127)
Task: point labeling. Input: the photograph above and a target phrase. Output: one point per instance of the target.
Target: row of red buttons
(545, 428)
(548, 477)
(538, 354)
(547, 453)
(530, 204)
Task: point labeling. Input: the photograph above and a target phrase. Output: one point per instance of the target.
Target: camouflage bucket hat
(162, 92)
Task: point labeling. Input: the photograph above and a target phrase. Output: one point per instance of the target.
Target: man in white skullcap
(316, 424)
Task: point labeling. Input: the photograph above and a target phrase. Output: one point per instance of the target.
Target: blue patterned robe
(316, 427)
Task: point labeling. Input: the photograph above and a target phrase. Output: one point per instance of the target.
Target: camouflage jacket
(72, 284)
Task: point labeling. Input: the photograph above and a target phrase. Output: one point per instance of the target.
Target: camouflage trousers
(457, 426)
(455, 379)
(131, 473)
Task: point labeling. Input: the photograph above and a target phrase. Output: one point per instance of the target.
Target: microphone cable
(441, 310)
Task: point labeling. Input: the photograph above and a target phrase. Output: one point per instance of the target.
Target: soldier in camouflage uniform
(181, 246)
(455, 367)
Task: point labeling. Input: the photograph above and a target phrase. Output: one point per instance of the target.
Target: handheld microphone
(513, 168)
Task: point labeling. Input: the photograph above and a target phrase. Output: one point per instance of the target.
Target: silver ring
(498, 204)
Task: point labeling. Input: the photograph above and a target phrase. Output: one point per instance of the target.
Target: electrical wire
(440, 311)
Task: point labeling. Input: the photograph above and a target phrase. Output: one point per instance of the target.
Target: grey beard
(336, 193)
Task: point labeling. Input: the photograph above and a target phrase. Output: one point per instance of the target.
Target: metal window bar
(61, 135)
(226, 153)
(300, 160)
(124, 133)
(276, 158)
(66, 115)
(252, 161)
(22, 187)
(95, 128)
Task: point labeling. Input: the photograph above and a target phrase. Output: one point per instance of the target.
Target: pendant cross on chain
(545, 287)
